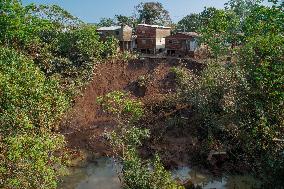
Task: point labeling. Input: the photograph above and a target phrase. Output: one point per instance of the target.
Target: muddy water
(102, 174)
(206, 181)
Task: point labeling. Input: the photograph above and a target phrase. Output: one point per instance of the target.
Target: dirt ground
(85, 123)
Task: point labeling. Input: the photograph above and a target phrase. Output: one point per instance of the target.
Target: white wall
(160, 43)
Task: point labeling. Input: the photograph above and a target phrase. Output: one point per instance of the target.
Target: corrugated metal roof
(154, 26)
(109, 28)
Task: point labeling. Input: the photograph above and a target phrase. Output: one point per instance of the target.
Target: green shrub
(80, 45)
(31, 106)
(73, 56)
(119, 104)
(59, 43)
(262, 60)
(110, 48)
(241, 106)
(181, 75)
(143, 80)
(126, 138)
(46, 54)
(149, 175)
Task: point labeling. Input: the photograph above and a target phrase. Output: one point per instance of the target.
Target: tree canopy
(106, 22)
(152, 13)
(190, 23)
(240, 93)
(46, 56)
(126, 20)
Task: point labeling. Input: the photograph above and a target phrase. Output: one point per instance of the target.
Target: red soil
(85, 122)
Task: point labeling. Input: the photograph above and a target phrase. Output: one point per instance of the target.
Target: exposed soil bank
(85, 122)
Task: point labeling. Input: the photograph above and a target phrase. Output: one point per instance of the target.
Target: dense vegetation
(239, 96)
(125, 140)
(31, 105)
(46, 55)
(237, 100)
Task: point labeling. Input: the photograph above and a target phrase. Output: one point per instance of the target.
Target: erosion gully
(85, 124)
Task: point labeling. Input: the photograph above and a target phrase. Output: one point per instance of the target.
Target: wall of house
(160, 37)
(151, 37)
(181, 45)
(163, 32)
(160, 43)
(122, 34)
(134, 44)
(173, 43)
(145, 32)
(146, 37)
(180, 42)
(146, 43)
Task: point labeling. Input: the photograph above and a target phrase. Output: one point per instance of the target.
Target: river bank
(179, 149)
(104, 173)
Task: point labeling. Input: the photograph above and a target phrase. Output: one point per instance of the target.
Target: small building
(151, 38)
(182, 44)
(122, 33)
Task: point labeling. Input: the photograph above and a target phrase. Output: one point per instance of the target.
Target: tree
(55, 14)
(106, 22)
(110, 46)
(242, 7)
(190, 23)
(152, 13)
(263, 20)
(126, 139)
(126, 20)
(241, 104)
(207, 14)
(220, 30)
(31, 106)
(19, 28)
(46, 54)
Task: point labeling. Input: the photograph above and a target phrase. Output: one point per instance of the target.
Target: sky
(91, 11)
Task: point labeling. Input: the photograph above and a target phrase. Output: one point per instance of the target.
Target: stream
(99, 174)
(102, 174)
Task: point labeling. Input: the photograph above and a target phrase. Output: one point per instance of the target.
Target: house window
(143, 31)
(144, 41)
(170, 41)
(117, 32)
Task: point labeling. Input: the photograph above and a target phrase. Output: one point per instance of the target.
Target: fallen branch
(212, 152)
(174, 111)
(278, 140)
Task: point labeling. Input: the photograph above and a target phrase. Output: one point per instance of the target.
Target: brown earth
(85, 123)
